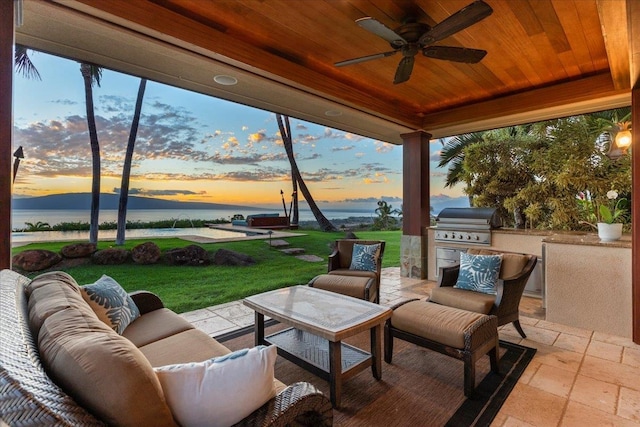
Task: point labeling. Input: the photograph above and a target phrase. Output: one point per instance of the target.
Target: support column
(635, 211)
(415, 204)
(633, 12)
(6, 127)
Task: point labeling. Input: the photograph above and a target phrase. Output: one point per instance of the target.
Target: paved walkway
(578, 377)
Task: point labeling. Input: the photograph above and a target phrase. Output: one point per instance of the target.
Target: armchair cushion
(111, 303)
(479, 272)
(365, 257)
(220, 391)
(512, 263)
(463, 299)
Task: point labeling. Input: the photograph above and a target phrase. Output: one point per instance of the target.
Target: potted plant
(606, 217)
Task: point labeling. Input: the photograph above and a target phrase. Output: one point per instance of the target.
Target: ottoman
(462, 334)
(353, 286)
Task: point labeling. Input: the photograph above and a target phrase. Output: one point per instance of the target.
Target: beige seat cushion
(463, 299)
(512, 263)
(154, 326)
(445, 325)
(188, 346)
(354, 273)
(351, 285)
(103, 371)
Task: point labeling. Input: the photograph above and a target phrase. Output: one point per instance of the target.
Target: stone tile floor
(577, 377)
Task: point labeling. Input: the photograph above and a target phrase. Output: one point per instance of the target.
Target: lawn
(189, 288)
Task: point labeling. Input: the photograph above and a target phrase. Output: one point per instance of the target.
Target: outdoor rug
(420, 388)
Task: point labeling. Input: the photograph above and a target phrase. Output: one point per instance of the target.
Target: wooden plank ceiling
(542, 54)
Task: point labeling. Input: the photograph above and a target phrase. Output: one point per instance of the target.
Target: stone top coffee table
(320, 320)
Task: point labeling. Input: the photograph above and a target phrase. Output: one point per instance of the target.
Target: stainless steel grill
(470, 226)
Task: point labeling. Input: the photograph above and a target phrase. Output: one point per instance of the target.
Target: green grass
(189, 288)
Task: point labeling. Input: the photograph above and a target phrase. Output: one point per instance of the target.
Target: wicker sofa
(29, 396)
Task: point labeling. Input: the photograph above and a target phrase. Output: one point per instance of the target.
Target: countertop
(566, 237)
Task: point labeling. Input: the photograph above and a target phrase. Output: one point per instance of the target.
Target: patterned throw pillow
(219, 391)
(479, 272)
(111, 303)
(365, 257)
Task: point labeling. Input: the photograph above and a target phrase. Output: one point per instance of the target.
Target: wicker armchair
(340, 262)
(514, 273)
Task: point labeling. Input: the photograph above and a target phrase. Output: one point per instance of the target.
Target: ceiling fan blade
(465, 17)
(405, 67)
(364, 58)
(381, 30)
(457, 54)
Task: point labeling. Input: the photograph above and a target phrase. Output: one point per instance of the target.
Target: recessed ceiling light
(225, 80)
(333, 113)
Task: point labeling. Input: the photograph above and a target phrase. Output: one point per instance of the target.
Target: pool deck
(253, 234)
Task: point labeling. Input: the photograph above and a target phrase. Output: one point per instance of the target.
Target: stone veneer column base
(413, 257)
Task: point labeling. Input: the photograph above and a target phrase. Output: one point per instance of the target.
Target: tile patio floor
(577, 377)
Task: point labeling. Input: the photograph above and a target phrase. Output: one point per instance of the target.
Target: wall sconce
(621, 141)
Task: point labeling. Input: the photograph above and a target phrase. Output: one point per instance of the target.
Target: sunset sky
(190, 147)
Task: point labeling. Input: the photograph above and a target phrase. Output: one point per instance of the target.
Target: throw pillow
(365, 257)
(479, 272)
(111, 303)
(219, 391)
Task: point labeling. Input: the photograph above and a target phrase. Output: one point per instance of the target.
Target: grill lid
(469, 218)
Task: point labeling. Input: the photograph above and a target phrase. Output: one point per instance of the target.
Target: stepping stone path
(292, 251)
(310, 258)
(278, 243)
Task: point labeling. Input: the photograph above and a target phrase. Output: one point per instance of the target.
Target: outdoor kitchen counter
(588, 283)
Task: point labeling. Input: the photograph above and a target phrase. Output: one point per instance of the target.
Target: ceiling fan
(412, 37)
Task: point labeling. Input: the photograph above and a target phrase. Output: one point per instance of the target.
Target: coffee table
(319, 321)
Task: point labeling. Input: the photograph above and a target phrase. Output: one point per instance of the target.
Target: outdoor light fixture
(621, 141)
(225, 80)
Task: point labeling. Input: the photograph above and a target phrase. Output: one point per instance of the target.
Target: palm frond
(23, 63)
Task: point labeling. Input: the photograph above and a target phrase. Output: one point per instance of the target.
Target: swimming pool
(62, 236)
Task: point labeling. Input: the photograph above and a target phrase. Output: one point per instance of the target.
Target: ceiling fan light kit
(413, 37)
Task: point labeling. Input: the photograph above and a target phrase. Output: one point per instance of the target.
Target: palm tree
(23, 63)
(285, 132)
(24, 66)
(385, 219)
(452, 154)
(93, 74)
(126, 170)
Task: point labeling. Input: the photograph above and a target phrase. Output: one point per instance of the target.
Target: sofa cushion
(111, 303)
(103, 371)
(365, 257)
(154, 326)
(479, 273)
(50, 293)
(192, 345)
(220, 391)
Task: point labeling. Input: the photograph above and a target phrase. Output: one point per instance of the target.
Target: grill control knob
(468, 237)
(477, 237)
(446, 235)
(460, 237)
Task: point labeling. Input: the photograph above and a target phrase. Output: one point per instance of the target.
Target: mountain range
(111, 201)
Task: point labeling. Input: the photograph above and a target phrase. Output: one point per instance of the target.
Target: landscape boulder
(36, 259)
(78, 250)
(189, 255)
(110, 256)
(146, 253)
(232, 258)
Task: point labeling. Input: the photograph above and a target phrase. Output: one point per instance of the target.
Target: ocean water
(20, 217)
